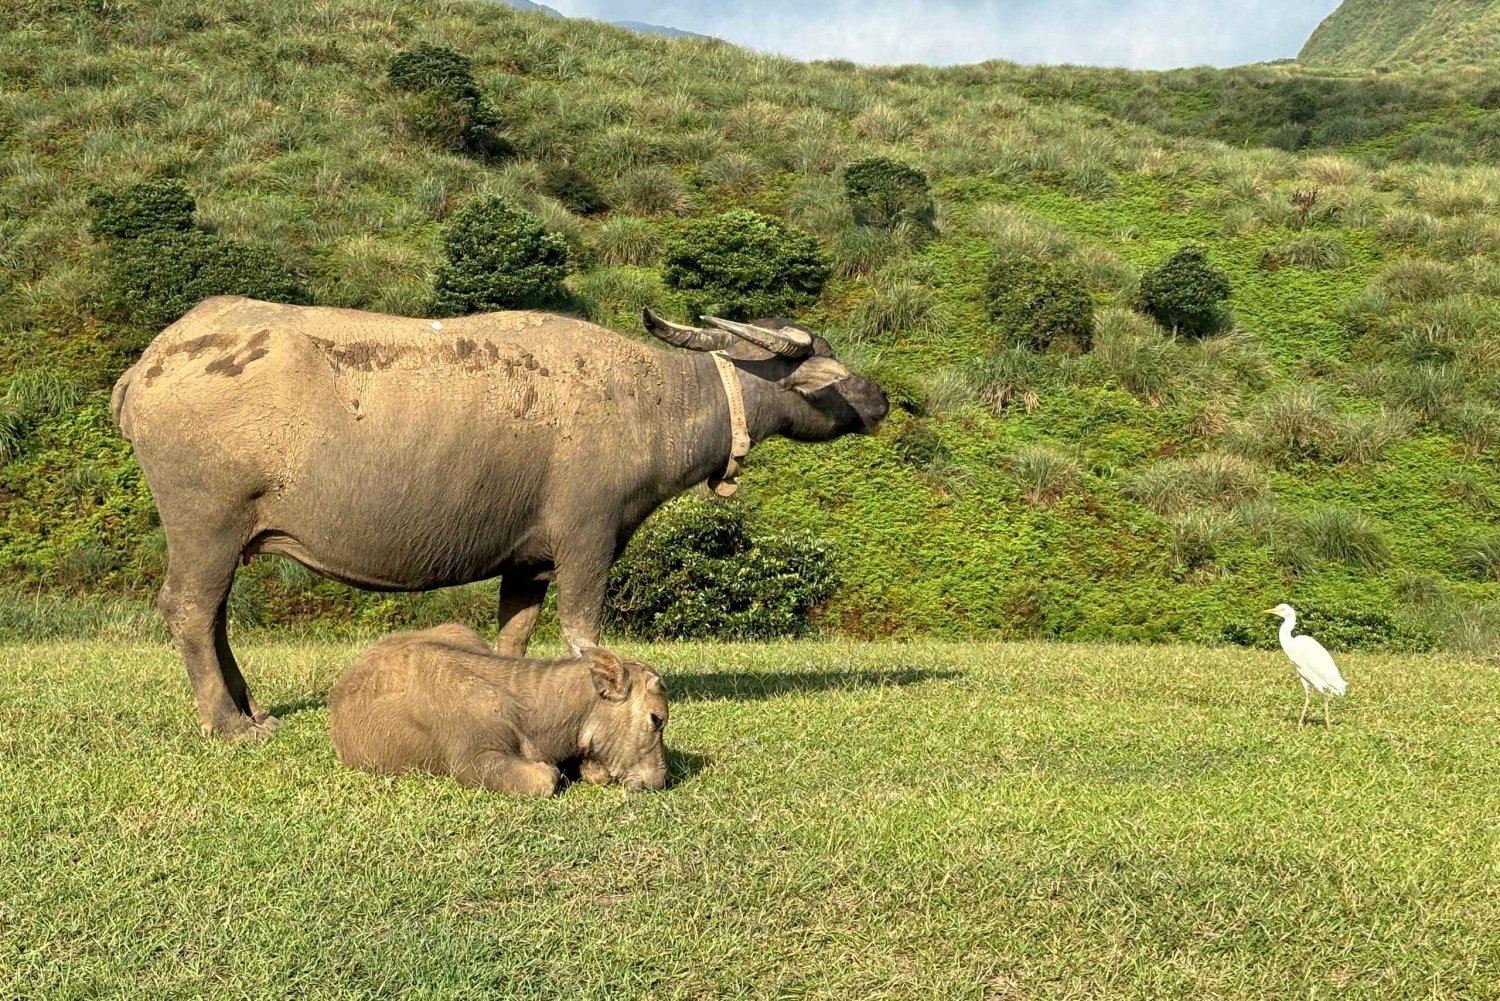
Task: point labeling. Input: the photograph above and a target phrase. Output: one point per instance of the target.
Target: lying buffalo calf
(442, 701)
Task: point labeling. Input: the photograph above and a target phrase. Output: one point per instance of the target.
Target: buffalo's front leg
(521, 597)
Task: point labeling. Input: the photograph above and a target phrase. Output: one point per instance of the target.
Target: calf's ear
(608, 672)
(817, 372)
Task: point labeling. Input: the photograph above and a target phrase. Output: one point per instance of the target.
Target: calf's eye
(657, 722)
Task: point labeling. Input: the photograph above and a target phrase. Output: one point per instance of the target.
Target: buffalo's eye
(657, 722)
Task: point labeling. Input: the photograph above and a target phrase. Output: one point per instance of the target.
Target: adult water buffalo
(404, 454)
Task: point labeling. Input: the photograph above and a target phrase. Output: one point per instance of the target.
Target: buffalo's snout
(654, 780)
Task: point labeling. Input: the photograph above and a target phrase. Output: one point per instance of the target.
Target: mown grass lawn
(865, 821)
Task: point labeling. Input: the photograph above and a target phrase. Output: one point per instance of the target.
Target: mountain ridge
(639, 27)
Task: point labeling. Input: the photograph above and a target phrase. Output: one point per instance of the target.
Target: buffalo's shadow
(729, 686)
(291, 707)
(750, 686)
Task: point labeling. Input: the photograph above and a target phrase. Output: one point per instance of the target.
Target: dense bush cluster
(159, 266)
(700, 569)
(447, 105)
(742, 265)
(157, 278)
(885, 193)
(497, 256)
(147, 207)
(1186, 294)
(1037, 305)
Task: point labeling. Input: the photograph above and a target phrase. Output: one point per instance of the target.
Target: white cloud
(1135, 33)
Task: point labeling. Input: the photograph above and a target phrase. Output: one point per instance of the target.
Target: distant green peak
(1365, 34)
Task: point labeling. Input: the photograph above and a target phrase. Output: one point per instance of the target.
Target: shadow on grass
(307, 703)
(732, 686)
(684, 766)
(747, 686)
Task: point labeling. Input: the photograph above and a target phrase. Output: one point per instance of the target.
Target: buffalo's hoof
(244, 728)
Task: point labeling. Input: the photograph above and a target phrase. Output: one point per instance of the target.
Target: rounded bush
(163, 205)
(742, 264)
(449, 107)
(1039, 305)
(428, 66)
(156, 278)
(497, 256)
(885, 193)
(699, 570)
(1186, 293)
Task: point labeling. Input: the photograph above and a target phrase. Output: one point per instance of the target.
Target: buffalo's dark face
(823, 398)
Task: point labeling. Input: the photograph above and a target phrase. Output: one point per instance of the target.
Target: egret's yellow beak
(1269, 611)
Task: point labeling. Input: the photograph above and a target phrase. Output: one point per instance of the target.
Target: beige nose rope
(739, 431)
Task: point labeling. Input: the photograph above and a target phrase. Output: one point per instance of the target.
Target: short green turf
(844, 821)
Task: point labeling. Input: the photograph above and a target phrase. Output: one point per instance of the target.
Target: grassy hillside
(1339, 446)
(999, 821)
(1363, 34)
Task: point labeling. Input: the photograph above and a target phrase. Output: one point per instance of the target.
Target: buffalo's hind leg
(521, 597)
(195, 601)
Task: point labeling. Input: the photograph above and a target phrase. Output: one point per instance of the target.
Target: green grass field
(924, 820)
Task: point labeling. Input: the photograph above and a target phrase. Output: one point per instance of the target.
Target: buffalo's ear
(608, 672)
(817, 372)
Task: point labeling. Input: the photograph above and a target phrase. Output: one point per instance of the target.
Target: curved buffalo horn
(789, 342)
(680, 336)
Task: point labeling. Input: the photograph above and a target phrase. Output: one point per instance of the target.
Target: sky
(1141, 34)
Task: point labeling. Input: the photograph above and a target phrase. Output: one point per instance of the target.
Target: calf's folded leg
(507, 773)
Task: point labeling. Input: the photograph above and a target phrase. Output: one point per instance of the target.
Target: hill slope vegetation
(1332, 441)
(1363, 34)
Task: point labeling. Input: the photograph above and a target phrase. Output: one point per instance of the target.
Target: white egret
(1315, 665)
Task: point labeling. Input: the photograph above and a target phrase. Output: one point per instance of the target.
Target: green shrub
(1482, 558)
(627, 240)
(920, 446)
(574, 188)
(154, 279)
(1133, 351)
(1038, 305)
(151, 206)
(1197, 535)
(699, 570)
(14, 428)
(1170, 486)
(1315, 251)
(1262, 519)
(447, 105)
(427, 66)
(40, 393)
(744, 265)
(1335, 534)
(1478, 424)
(651, 190)
(1044, 473)
(1010, 377)
(1186, 294)
(1361, 438)
(1289, 424)
(885, 193)
(1433, 391)
(496, 256)
(897, 304)
(860, 250)
(1417, 279)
